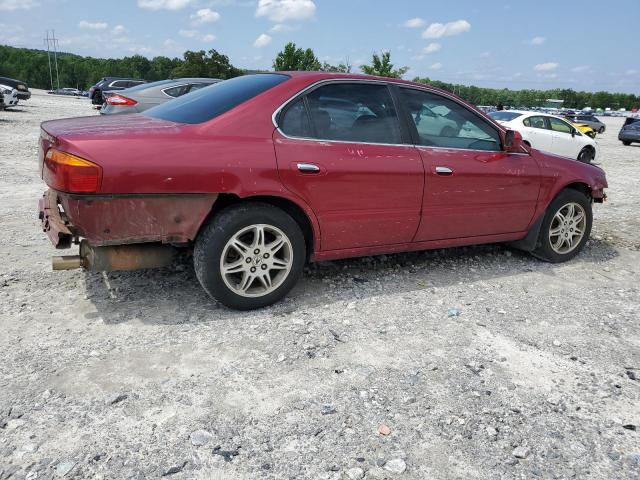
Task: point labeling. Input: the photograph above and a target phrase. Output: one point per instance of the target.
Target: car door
(564, 143)
(341, 149)
(472, 187)
(538, 132)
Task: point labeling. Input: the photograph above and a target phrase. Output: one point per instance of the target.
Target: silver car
(142, 97)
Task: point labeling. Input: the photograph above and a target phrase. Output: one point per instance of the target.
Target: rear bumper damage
(123, 232)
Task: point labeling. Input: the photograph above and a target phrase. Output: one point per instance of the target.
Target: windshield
(503, 116)
(207, 103)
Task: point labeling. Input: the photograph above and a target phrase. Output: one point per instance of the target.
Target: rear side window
(535, 122)
(208, 103)
(347, 112)
(176, 91)
(295, 122)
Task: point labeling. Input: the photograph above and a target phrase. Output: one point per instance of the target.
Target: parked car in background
(586, 129)
(590, 120)
(10, 95)
(260, 173)
(108, 84)
(630, 131)
(19, 85)
(1, 101)
(142, 97)
(549, 133)
(68, 91)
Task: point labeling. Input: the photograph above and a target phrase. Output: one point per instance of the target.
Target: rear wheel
(626, 143)
(586, 155)
(566, 227)
(249, 256)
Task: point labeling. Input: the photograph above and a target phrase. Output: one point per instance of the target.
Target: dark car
(630, 131)
(589, 120)
(142, 97)
(108, 84)
(2, 105)
(256, 177)
(22, 87)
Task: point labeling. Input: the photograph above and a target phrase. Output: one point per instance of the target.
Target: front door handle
(444, 171)
(308, 168)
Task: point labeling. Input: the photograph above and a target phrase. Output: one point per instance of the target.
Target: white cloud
(281, 27)
(262, 41)
(580, 68)
(164, 4)
(631, 72)
(436, 66)
(439, 30)
(432, 47)
(92, 25)
(537, 40)
(188, 33)
(414, 23)
(283, 10)
(210, 37)
(546, 67)
(485, 54)
(204, 15)
(169, 43)
(118, 30)
(10, 5)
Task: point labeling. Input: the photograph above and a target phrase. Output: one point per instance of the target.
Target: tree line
(81, 72)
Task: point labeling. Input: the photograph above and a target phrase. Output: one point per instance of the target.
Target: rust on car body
(110, 220)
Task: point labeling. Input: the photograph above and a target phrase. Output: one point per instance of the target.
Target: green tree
(292, 58)
(201, 64)
(382, 67)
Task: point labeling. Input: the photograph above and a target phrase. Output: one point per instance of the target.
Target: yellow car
(586, 129)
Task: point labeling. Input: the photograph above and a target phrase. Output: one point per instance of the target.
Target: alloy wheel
(256, 260)
(567, 228)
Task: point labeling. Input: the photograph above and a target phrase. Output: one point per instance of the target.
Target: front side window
(558, 125)
(208, 103)
(442, 122)
(354, 112)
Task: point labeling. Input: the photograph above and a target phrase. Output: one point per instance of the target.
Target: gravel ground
(474, 363)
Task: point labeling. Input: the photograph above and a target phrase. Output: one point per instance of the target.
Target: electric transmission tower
(52, 42)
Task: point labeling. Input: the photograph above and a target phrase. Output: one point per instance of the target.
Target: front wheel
(601, 130)
(249, 256)
(566, 227)
(626, 143)
(586, 155)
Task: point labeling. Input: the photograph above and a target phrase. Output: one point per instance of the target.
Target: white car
(10, 96)
(549, 133)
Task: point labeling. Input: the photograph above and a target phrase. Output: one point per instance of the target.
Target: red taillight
(120, 101)
(68, 173)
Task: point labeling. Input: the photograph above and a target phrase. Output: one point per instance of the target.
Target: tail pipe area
(116, 257)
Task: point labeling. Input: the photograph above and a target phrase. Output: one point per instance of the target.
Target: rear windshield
(207, 103)
(504, 116)
(144, 86)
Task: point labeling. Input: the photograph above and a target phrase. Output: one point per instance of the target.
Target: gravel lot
(364, 371)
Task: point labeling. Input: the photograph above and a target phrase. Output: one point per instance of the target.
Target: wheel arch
(303, 215)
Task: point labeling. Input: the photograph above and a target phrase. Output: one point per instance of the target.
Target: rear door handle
(444, 171)
(308, 168)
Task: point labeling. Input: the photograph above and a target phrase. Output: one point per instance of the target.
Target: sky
(587, 45)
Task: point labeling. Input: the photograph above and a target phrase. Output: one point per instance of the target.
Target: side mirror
(513, 142)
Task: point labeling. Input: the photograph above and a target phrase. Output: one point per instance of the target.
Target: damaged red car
(262, 173)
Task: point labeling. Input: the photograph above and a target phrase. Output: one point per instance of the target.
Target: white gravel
(138, 375)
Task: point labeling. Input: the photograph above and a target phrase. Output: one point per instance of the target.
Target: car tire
(601, 130)
(586, 155)
(626, 143)
(238, 262)
(567, 214)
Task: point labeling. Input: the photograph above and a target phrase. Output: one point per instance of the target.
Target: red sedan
(262, 173)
